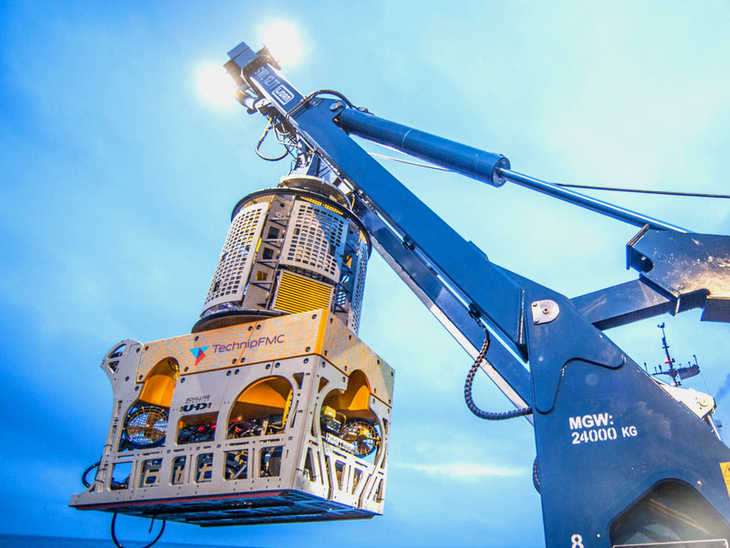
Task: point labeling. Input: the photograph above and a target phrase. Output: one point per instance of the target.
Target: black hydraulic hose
(86, 472)
(120, 545)
(328, 92)
(488, 415)
(269, 125)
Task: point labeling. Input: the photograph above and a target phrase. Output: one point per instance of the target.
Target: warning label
(725, 467)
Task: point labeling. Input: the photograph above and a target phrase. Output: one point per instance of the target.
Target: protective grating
(359, 289)
(285, 506)
(259, 200)
(299, 294)
(322, 204)
(237, 255)
(314, 239)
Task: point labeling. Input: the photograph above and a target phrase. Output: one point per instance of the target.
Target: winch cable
(488, 415)
(120, 545)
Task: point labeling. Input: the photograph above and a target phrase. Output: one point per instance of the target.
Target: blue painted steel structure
(484, 166)
(620, 460)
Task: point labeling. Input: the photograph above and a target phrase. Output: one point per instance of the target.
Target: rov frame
(247, 442)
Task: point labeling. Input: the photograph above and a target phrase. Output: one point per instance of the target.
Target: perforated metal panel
(314, 240)
(359, 285)
(234, 266)
(289, 249)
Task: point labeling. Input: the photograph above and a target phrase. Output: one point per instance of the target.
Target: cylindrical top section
(467, 160)
(290, 249)
(317, 186)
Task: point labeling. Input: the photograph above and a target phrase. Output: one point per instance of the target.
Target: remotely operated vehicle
(623, 459)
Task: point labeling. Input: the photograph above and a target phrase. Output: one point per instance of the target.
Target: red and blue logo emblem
(198, 353)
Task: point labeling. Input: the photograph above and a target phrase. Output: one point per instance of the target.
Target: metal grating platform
(241, 509)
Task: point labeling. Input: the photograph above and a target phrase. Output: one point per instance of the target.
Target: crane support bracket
(693, 268)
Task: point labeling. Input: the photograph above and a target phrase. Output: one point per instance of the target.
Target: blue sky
(118, 180)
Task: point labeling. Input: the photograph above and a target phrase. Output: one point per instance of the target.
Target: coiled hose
(491, 416)
(148, 545)
(86, 473)
(488, 415)
(114, 518)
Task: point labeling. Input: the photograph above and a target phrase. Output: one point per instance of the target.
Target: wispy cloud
(723, 391)
(462, 470)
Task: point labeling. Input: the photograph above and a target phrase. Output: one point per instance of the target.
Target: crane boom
(618, 455)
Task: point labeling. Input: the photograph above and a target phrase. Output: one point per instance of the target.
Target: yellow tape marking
(725, 467)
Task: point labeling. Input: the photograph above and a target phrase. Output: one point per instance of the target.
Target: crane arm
(592, 405)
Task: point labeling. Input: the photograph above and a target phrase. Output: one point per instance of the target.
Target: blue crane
(621, 460)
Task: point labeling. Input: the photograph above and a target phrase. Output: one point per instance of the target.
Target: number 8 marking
(576, 541)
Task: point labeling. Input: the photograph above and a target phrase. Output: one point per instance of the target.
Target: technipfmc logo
(198, 353)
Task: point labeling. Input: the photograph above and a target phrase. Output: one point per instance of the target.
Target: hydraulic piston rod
(478, 164)
(605, 208)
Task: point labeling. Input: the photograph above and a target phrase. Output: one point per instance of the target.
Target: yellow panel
(160, 383)
(361, 398)
(322, 204)
(355, 400)
(269, 392)
(299, 294)
(158, 390)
